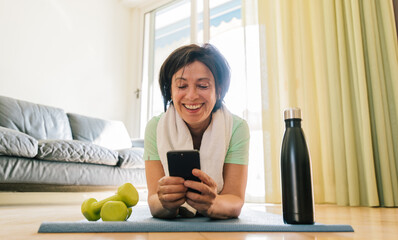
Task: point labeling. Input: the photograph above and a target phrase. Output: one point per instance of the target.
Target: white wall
(72, 54)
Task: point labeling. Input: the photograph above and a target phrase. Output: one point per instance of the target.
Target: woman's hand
(165, 194)
(226, 204)
(171, 192)
(203, 202)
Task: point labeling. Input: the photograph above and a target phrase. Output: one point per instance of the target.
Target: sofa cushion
(131, 158)
(137, 142)
(15, 143)
(38, 121)
(76, 151)
(105, 133)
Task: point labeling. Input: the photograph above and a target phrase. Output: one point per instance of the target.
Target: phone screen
(181, 164)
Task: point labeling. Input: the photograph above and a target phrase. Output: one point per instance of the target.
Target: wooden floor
(23, 221)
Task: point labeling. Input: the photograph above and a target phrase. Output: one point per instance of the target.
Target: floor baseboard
(50, 198)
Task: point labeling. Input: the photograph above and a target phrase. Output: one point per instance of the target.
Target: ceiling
(136, 3)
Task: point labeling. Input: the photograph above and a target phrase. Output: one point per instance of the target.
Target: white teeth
(193, 107)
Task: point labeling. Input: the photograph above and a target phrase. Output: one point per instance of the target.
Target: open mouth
(193, 106)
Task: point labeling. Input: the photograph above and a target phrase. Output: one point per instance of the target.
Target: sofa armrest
(137, 142)
(15, 143)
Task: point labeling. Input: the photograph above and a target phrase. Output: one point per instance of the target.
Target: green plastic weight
(126, 193)
(114, 211)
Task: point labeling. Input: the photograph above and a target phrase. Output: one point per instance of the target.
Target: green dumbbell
(126, 193)
(129, 213)
(115, 211)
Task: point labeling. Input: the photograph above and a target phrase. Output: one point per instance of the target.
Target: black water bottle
(297, 200)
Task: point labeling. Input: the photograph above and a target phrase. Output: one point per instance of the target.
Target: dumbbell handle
(98, 205)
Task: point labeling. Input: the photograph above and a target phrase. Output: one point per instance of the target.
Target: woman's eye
(182, 87)
(203, 86)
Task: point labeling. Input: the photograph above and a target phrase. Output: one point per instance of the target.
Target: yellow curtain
(338, 61)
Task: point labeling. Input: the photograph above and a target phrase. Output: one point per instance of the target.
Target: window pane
(224, 15)
(172, 30)
(172, 23)
(227, 34)
(199, 11)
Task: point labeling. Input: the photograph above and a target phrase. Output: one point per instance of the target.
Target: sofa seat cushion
(131, 158)
(105, 133)
(76, 151)
(15, 143)
(27, 170)
(38, 121)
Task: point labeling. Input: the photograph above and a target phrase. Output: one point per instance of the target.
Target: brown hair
(185, 55)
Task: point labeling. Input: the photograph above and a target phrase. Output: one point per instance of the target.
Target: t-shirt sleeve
(238, 151)
(150, 145)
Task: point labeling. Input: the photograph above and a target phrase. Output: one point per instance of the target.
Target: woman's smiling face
(193, 92)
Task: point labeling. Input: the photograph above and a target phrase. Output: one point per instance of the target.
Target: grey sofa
(42, 148)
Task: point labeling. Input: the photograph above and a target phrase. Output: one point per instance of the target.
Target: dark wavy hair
(185, 55)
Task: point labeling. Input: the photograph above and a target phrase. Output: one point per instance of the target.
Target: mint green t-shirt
(238, 150)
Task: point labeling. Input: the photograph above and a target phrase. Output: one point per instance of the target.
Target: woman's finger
(167, 189)
(173, 204)
(200, 207)
(166, 180)
(201, 187)
(173, 197)
(206, 179)
(200, 198)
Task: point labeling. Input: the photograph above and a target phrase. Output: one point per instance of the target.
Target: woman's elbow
(238, 209)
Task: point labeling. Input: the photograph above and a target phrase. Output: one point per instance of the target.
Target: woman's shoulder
(239, 123)
(154, 120)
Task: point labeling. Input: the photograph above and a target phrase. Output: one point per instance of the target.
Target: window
(166, 29)
(169, 27)
(219, 22)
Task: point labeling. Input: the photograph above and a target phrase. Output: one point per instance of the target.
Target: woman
(193, 81)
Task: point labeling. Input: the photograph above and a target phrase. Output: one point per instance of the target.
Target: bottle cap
(291, 113)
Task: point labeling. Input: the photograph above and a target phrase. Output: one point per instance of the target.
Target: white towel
(173, 134)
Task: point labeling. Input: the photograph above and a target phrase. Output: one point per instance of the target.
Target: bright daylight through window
(220, 22)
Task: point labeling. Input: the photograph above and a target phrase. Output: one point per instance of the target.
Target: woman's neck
(198, 131)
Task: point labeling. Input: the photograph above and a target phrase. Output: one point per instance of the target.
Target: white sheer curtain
(256, 181)
(238, 41)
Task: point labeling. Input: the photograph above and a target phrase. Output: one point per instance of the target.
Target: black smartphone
(182, 162)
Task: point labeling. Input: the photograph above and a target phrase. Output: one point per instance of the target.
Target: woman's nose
(192, 93)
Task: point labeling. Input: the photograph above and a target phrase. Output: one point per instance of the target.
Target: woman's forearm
(225, 207)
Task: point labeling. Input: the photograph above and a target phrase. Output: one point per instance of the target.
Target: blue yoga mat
(142, 221)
